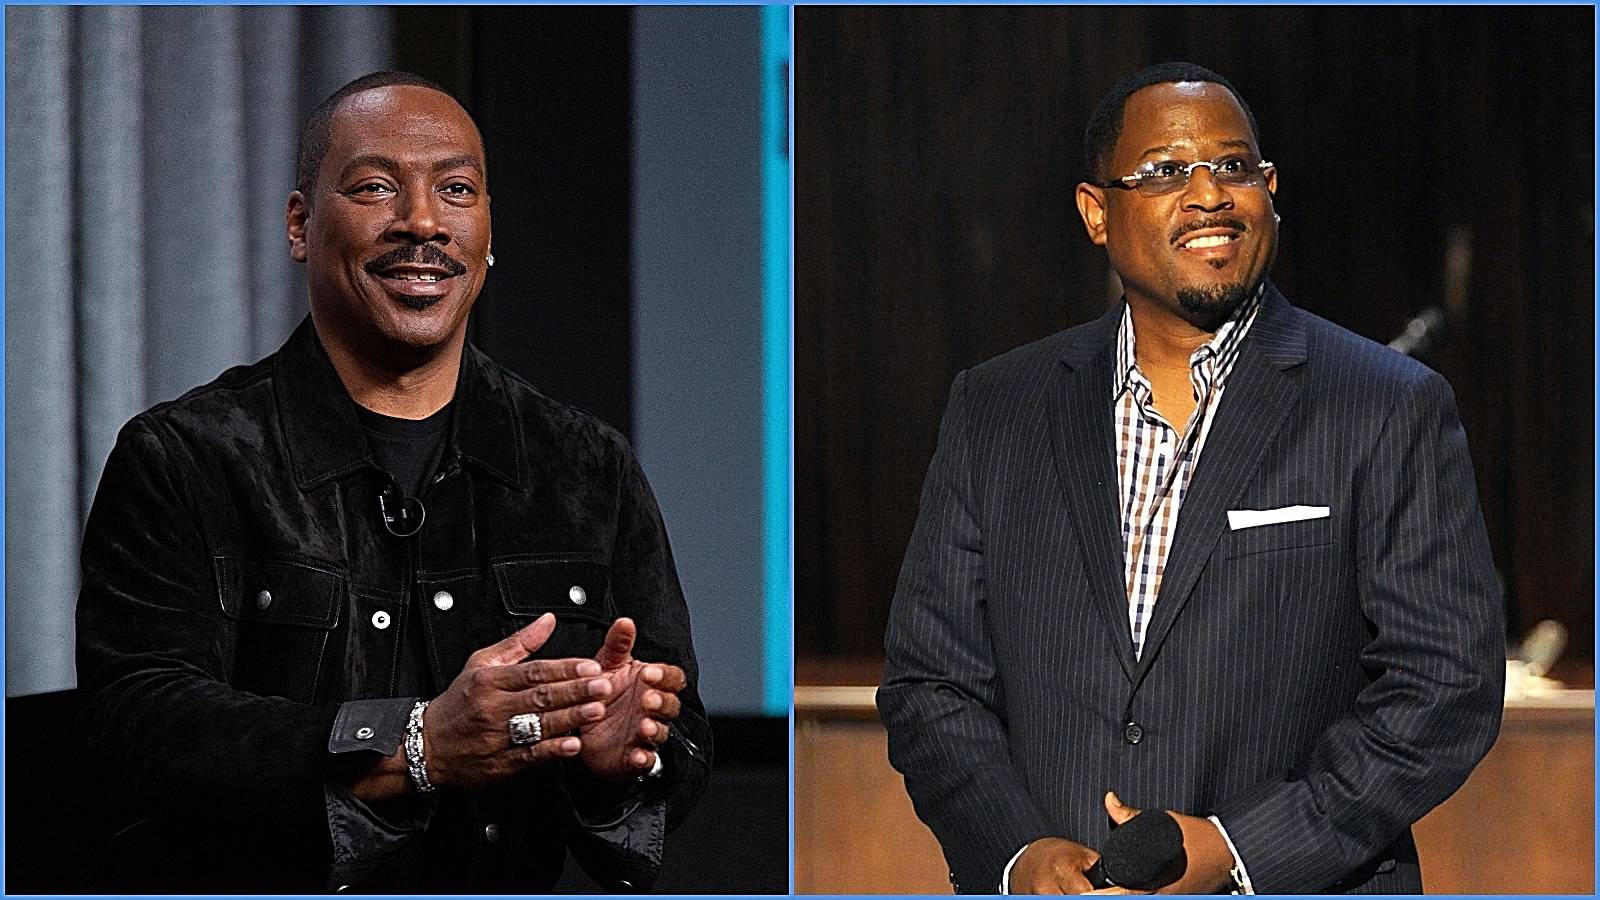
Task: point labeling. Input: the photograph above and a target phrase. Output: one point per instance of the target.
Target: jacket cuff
(376, 725)
(1240, 875)
(363, 838)
(1005, 874)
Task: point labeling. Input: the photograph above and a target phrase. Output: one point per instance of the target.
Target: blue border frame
(776, 426)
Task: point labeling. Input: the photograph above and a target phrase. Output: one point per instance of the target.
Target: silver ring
(526, 729)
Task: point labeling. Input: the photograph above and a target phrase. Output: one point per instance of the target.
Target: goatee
(417, 304)
(1209, 307)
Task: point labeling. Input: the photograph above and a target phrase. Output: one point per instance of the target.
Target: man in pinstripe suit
(1209, 554)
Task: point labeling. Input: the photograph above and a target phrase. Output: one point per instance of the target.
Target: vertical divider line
(776, 425)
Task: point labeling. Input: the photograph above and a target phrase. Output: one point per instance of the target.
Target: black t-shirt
(410, 451)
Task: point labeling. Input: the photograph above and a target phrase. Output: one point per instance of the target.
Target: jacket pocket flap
(278, 591)
(1279, 536)
(569, 586)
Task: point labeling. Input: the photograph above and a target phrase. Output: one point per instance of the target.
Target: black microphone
(1141, 854)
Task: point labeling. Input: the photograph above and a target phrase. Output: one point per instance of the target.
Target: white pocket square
(1250, 518)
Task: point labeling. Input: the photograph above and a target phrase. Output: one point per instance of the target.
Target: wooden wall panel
(1523, 823)
(854, 829)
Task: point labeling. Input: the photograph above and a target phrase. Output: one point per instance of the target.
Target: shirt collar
(324, 435)
(1220, 352)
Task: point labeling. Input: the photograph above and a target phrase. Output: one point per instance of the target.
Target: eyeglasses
(1156, 178)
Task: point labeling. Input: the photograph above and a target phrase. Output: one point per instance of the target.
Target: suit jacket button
(1133, 733)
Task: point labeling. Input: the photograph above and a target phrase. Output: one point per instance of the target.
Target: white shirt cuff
(1005, 876)
(1244, 886)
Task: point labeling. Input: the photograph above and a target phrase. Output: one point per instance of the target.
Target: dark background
(936, 154)
(550, 87)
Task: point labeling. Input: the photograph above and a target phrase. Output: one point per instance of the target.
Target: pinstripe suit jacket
(1318, 685)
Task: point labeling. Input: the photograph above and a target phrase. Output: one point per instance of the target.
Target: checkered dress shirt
(1155, 463)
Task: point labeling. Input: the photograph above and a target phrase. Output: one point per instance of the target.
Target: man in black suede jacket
(372, 612)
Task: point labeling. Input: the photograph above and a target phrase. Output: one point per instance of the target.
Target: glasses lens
(1162, 177)
(1239, 170)
(1156, 185)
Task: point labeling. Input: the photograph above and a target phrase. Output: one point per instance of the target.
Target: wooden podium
(1523, 822)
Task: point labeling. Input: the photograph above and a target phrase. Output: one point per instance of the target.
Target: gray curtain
(149, 155)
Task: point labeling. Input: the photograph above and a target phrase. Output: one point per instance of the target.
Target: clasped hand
(611, 712)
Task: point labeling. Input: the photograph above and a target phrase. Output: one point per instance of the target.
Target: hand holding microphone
(1142, 853)
(1146, 852)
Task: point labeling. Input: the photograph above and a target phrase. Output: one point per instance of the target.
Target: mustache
(1208, 222)
(421, 255)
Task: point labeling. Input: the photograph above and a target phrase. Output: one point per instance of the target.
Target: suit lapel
(1263, 387)
(1084, 447)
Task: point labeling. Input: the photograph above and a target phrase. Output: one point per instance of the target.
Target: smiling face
(395, 238)
(1196, 252)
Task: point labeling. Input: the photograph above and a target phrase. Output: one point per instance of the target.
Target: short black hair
(1105, 124)
(314, 136)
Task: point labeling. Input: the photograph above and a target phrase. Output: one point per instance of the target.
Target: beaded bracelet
(415, 763)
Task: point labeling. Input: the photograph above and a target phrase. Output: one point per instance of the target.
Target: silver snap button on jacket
(577, 595)
(380, 620)
(363, 733)
(263, 600)
(491, 833)
(443, 600)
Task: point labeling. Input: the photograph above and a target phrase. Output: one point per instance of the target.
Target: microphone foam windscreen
(1146, 852)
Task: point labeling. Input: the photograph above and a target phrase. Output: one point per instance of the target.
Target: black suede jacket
(239, 585)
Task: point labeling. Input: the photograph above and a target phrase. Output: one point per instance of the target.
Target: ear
(295, 219)
(1272, 180)
(1092, 209)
